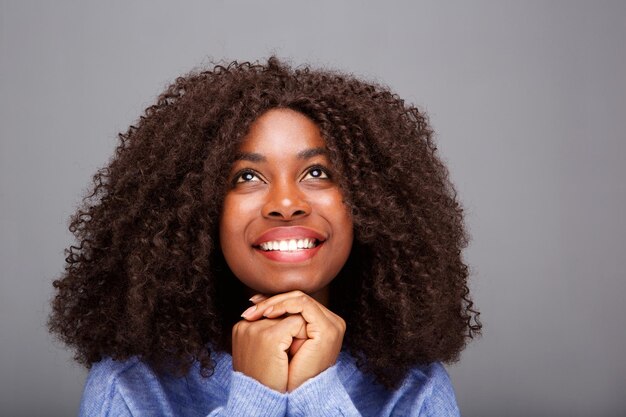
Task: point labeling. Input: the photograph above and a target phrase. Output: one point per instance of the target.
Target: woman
(319, 195)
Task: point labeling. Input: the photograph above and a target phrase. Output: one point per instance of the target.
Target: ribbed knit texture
(131, 388)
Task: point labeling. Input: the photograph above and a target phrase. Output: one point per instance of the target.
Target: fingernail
(248, 311)
(256, 298)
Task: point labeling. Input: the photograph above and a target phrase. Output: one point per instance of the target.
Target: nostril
(285, 208)
(294, 214)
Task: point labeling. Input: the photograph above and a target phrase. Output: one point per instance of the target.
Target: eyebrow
(257, 157)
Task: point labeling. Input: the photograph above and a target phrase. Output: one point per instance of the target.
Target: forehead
(282, 131)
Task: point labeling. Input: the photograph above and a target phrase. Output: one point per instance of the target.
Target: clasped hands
(286, 339)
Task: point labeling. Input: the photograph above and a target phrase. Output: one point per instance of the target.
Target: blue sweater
(131, 388)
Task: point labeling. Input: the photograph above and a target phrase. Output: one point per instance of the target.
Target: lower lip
(295, 256)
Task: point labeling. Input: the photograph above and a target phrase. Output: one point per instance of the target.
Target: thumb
(295, 346)
(290, 328)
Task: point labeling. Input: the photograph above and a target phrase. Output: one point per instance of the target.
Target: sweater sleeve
(425, 392)
(323, 395)
(130, 389)
(100, 395)
(440, 400)
(248, 397)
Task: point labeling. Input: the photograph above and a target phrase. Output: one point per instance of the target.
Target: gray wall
(528, 102)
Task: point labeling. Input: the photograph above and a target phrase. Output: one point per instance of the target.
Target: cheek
(232, 234)
(232, 222)
(237, 210)
(338, 215)
(332, 204)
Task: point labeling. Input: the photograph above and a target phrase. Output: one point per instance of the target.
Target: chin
(287, 284)
(279, 289)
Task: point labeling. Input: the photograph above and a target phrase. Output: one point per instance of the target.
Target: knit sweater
(132, 388)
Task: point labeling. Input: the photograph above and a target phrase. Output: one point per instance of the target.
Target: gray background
(528, 102)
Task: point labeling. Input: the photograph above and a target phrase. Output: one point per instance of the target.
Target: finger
(255, 312)
(257, 298)
(288, 329)
(307, 307)
(295, 346)
(310, 309)
(245, 326)
(274, 326)
(275, 311)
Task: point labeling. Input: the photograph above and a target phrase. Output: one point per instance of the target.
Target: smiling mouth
(289, 245)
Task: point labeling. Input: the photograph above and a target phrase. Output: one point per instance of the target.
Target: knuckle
(300, 318)
(338, 326)
(237, 327)
(339, 321)
(241, 329)
(342, 324)
(254, 330)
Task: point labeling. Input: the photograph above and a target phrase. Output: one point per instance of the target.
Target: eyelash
(242, 173)
(308, 171)
(319, 168)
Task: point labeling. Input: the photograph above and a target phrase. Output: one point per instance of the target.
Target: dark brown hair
(147, 277)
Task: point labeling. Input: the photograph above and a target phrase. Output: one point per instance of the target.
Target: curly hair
(147, 277)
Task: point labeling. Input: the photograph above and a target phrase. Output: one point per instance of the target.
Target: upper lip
(288, 232)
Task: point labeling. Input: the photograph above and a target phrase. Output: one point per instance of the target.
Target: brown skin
(291, 336)
(284, 190)
(310, 333)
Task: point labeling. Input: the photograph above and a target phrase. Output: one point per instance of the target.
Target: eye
(317, 172)
(245, 176)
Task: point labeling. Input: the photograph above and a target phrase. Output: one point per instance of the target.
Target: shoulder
(132, 387)
(429, 389)
(110, 384)
(425, 391)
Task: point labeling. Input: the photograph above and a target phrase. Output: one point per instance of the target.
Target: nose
(285, 201)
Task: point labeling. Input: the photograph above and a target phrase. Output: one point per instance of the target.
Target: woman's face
(284, 225)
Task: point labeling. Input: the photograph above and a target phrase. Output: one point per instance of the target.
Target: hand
(296, 343)
(260, 349)
(324, 331)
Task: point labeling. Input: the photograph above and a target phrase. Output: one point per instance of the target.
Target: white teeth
(288, 245)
